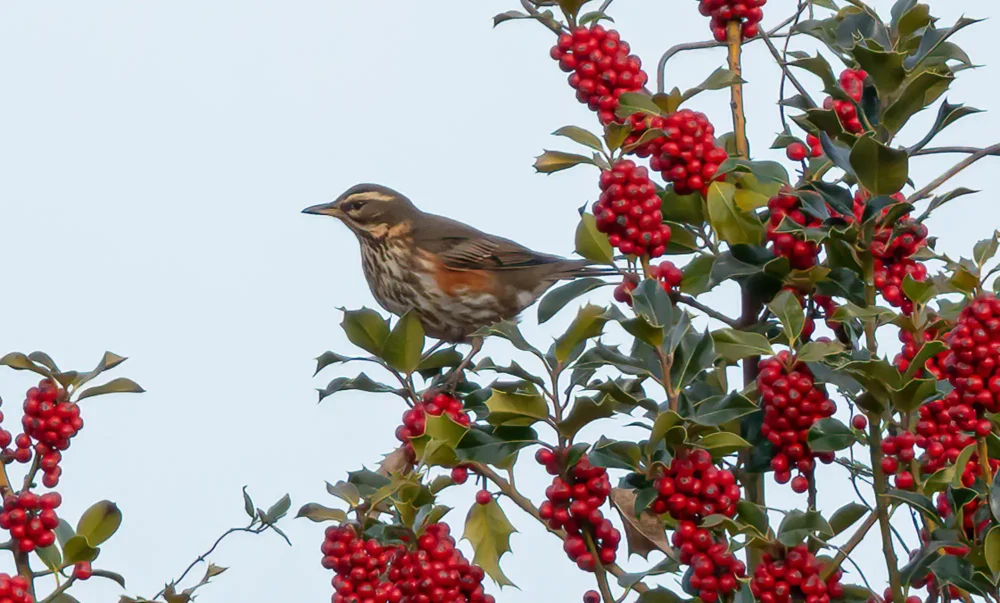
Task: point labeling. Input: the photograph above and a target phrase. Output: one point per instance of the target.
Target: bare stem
(697, 305)
(786, 71)
(54, 595)
(958, 167)
(201, 558)
(881, 486)
(845, 550)
(735, 37)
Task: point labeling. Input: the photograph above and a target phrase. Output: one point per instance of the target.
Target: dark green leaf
(735, 345)
(788, 309)
(404, 346)
(650, 301)
(880, 169)
(838, 152)
(362, 382)
(719, 410)
(797, 525)
(847, 516)
(517, 409)
(366, 329)
(884, 67)
(328, 358)
(589, 323)
(278, 509)
(920, 90)
(557, 299)
(920, 503)
(686, 209)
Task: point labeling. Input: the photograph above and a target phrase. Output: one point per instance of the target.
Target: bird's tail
(585, 268)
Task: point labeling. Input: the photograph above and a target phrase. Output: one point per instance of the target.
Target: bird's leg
(456, 373)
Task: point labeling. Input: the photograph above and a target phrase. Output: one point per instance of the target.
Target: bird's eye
(353, 206)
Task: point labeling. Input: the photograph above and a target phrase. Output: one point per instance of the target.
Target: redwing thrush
(455, 277)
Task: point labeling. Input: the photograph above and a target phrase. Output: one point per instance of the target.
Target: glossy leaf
(815, 351)
(519, 409)
(830, 435)
(318, 513)
(120, 385)
(557, 299)
(494, 446)
(797, 525)
(722, 443)
(788, 309)
(650, 301)
(77, 549)
(366, 329)
(591, 243)
(882, 170)
(51, 557)
(99, 522)
(920, 90)
(589, 323)
(730, 223)
(405, 344)
(991, 549)
(21, 362)
(734, 345)
(489, 531)
(550, 162)
(847, 516)
(362, 383)
(719, 410)
(581, 136)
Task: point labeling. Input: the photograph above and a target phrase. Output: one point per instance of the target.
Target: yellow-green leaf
(317, 512)
(589, 323)
(405, 344)
(591, 243)
(489, 530)
(732, 225)
(99, 522)
(516, 408)
(121, 385)
(366, 329)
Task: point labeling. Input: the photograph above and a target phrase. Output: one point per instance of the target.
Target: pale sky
(154, 158)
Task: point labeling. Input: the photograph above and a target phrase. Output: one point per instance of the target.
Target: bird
(456, 278)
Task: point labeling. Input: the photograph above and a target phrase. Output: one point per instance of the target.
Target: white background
(154, 157)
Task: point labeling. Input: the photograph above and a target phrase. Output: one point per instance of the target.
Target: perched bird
(455, 277)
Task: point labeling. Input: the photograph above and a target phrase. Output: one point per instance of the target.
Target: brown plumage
(457, 278)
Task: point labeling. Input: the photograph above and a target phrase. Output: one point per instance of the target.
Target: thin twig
(661, 66)
(787, 72)
(201, 558)
(845, 550)
(958, 167)
(538, 17)
(784, 59)
(697, 305)
(59, 591)
(605, 6)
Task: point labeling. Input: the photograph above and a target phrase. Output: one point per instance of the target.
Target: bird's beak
(324, 209)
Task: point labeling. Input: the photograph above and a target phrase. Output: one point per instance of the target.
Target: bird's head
(369, 209)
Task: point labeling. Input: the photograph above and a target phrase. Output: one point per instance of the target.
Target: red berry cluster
(686, 154)
(912, 343)
(898, 453)
(574, 505)
(795, 578)
(370, 572)
(600, 67)
(715, 571)
(852, 81)
(747, 12)
(940, 432)
(973, 530)
(975, 350)
(624, 289)
(669, 275)
(14, 589)
(792, 402)
(628, 211)
(798, 151)
(31, 519)
(50, 421)
(893, 249)
(693, 488)
(801, 253)
(415, 419)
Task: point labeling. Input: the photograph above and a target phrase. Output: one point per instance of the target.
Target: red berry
(459, 475)
(796, 151)
(591, 596)
(860, 422)
(484, 497)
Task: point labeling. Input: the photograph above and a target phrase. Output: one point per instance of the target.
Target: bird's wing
(462, 247)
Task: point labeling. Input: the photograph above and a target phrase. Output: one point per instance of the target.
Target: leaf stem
(201, 558)
(54, 595)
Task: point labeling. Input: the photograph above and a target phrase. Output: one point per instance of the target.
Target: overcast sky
(154, 157)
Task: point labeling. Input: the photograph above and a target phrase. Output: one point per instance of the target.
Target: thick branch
(736, 91)
(958, 167)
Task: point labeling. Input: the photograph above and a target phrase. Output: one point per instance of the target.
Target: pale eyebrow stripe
(370, 196)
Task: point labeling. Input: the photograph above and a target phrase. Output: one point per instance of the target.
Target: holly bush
(830, 254)
(50, 555)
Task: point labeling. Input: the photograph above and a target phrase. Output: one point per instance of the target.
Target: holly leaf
(489, 531)
(318, 513)
(557, 299)
(121, 385)
(847, 516)
(99, 522)
(797, 525)
(730, 223)
(734, 345)
(880, 169)
(591, 243)
(581, 136)
(405, 344)
(788, 309)
(830, 435)
(517, 408)
(719, 410)
(366, 329)
(550, 162)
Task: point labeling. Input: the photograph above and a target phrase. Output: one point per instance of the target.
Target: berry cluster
(912, 343)
(433, 404)
(600, 67)
(893, 249)
(940, 432)
(624, 289)
(14, 589)
(792, 402)
(370, 572)
(686, 154)
(794, 578)
(715, 571)
(798, 151)
(801, 253)
(49, 422)
(669, 275)
(898, 453)
(573, 504)
(972, 529)
(31, 519)
(852, 81)
(975, 349)
(747, 12)
(628, 211)
(693, 488)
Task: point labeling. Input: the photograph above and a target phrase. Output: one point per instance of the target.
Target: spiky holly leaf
(489, 531)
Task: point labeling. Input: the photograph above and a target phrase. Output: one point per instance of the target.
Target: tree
(828, 265)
